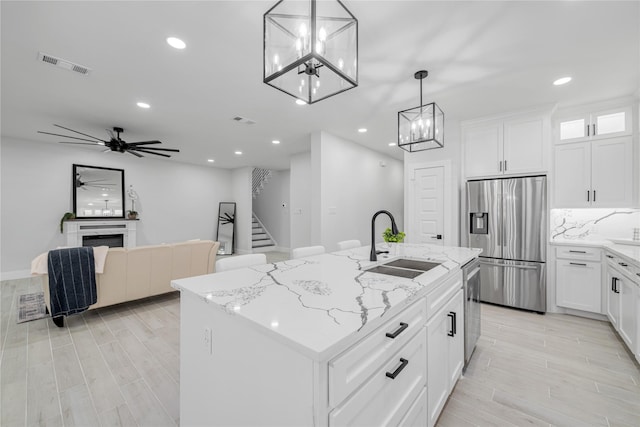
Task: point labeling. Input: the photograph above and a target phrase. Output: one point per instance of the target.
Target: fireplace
(112, 233)
(111, 240)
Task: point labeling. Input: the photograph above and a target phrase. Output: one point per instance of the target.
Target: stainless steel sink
(403, 267)
(412, 264)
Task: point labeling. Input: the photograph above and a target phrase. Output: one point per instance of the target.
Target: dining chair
(307, 251)
(240, 261)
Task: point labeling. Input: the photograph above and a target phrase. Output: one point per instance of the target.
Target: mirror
(226, 226)
(98, 192)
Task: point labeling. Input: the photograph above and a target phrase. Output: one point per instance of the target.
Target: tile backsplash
(593, 224)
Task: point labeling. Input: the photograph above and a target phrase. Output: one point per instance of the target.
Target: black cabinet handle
(394, 374)
(588, 133)
(609, 256)
(594, 132)
(623, 264)
(578, 263)
(577, 252)
(594, 195)
(452, 316)
(398, 331)
(615, 285)
(588, 200)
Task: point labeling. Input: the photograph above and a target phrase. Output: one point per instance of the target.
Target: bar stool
(240, 261)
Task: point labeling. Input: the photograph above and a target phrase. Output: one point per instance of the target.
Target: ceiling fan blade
(90, 136)
(144, 142)
(67, 136)
(175, 150)
(150, 152)
(95, 144)
(134, 153)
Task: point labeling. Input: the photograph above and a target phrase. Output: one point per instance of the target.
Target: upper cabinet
(594, 125)
(509, 146)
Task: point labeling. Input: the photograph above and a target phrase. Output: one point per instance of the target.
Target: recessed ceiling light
(210, 160)
(176, 42)
(275, 141)
(562, 81)
(104, 194)
(300, 102)
(143, 105)
(392, 144)
(362, 130)
(239, 153)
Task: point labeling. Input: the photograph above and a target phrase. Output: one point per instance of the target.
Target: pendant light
(310, 49)
(421, 128)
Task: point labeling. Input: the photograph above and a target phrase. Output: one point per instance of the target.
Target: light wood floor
(120, 366)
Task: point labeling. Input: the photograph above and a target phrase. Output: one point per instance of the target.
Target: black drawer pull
(398, 331)
(578, 263)
(452, 316)
(609, 256)
(623, 264)
(577, 252)
(394, 374)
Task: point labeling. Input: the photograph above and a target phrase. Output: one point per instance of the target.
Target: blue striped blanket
(72, 280)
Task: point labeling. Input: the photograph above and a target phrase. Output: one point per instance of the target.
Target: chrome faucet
(394, 230)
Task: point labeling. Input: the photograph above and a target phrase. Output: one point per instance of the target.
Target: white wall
(241, 189)
(300, 200)
(272, 208)
(176, 201)
(353, 186)
(452, 152)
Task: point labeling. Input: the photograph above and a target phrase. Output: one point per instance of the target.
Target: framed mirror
(226, 227)
(98, 192)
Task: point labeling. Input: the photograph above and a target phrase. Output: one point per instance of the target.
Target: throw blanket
(72, 280)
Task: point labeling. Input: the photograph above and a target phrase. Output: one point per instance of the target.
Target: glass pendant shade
(421, 128)
(310, 48)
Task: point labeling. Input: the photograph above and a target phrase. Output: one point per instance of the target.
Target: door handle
(588, 131)
(394, 374)
(437, 236)
(500, 165)
(452, 316)
(594, 195)
(623, 264)
(594, 129)
(505, 165)
(578, 263)
(398, 331)
(588, 199)
(577, 252)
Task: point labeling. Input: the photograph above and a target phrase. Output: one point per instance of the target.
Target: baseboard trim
(16, 274)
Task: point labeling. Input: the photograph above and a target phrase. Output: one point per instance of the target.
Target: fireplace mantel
(74, 230)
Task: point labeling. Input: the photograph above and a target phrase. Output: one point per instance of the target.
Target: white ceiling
(483, 58)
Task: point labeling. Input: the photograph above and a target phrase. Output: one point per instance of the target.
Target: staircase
(259, 178)
(260, 237)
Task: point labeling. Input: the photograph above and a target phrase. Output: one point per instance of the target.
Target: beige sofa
(131, 274)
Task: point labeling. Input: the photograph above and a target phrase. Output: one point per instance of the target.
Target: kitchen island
(322, 341)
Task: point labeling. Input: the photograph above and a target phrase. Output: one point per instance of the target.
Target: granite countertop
(629, 252)
(317, 303)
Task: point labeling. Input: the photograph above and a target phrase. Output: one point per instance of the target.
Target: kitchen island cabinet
(317, 341)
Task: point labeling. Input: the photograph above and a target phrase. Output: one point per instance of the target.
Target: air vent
(244, 120)
(63, 63)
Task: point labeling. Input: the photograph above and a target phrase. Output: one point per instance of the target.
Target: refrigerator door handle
(522, 267)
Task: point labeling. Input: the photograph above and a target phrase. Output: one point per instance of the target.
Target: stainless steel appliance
(471, 286)
(507, 219)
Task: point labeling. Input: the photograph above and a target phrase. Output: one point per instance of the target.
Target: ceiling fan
(115, 143)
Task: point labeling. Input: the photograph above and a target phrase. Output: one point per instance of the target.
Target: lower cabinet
(445, 353)
(623, 288)
(579, 278)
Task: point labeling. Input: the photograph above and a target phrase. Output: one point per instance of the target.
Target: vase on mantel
(132, 215)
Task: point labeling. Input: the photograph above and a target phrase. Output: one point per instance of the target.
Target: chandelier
(310, 49)
(421, 128)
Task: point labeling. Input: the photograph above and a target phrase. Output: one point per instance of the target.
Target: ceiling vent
(63, 63)
(244, 120)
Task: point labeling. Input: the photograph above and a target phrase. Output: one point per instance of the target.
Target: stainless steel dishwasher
(471, 286)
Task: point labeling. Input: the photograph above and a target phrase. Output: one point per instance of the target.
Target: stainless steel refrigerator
(507, 218)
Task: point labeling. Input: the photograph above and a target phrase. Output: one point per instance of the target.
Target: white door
(573, 175)
(524, 146)
(611, 172)
(483, 149)
(427, 221)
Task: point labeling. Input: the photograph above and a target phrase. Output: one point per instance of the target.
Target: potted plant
(132, 215)
(66, 217)
(389, 237)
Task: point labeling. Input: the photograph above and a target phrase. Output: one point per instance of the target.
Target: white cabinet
(579, 284)
(623, 288)
(594, 173)
(445, 353)
(595, 125)
(506, 146)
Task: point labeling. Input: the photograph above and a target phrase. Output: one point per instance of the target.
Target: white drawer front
(349, 370)
(578, 252)
(418, 413)
(383, 401)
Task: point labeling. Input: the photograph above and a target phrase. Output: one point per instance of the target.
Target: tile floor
(120, 366)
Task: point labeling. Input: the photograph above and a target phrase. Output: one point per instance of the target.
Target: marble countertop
(629, 252)
(318, 303)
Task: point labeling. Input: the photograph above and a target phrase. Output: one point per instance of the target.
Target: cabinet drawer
(437, 298)
(578, 252)
(350, 369)
(383, 401)
(626, 268)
